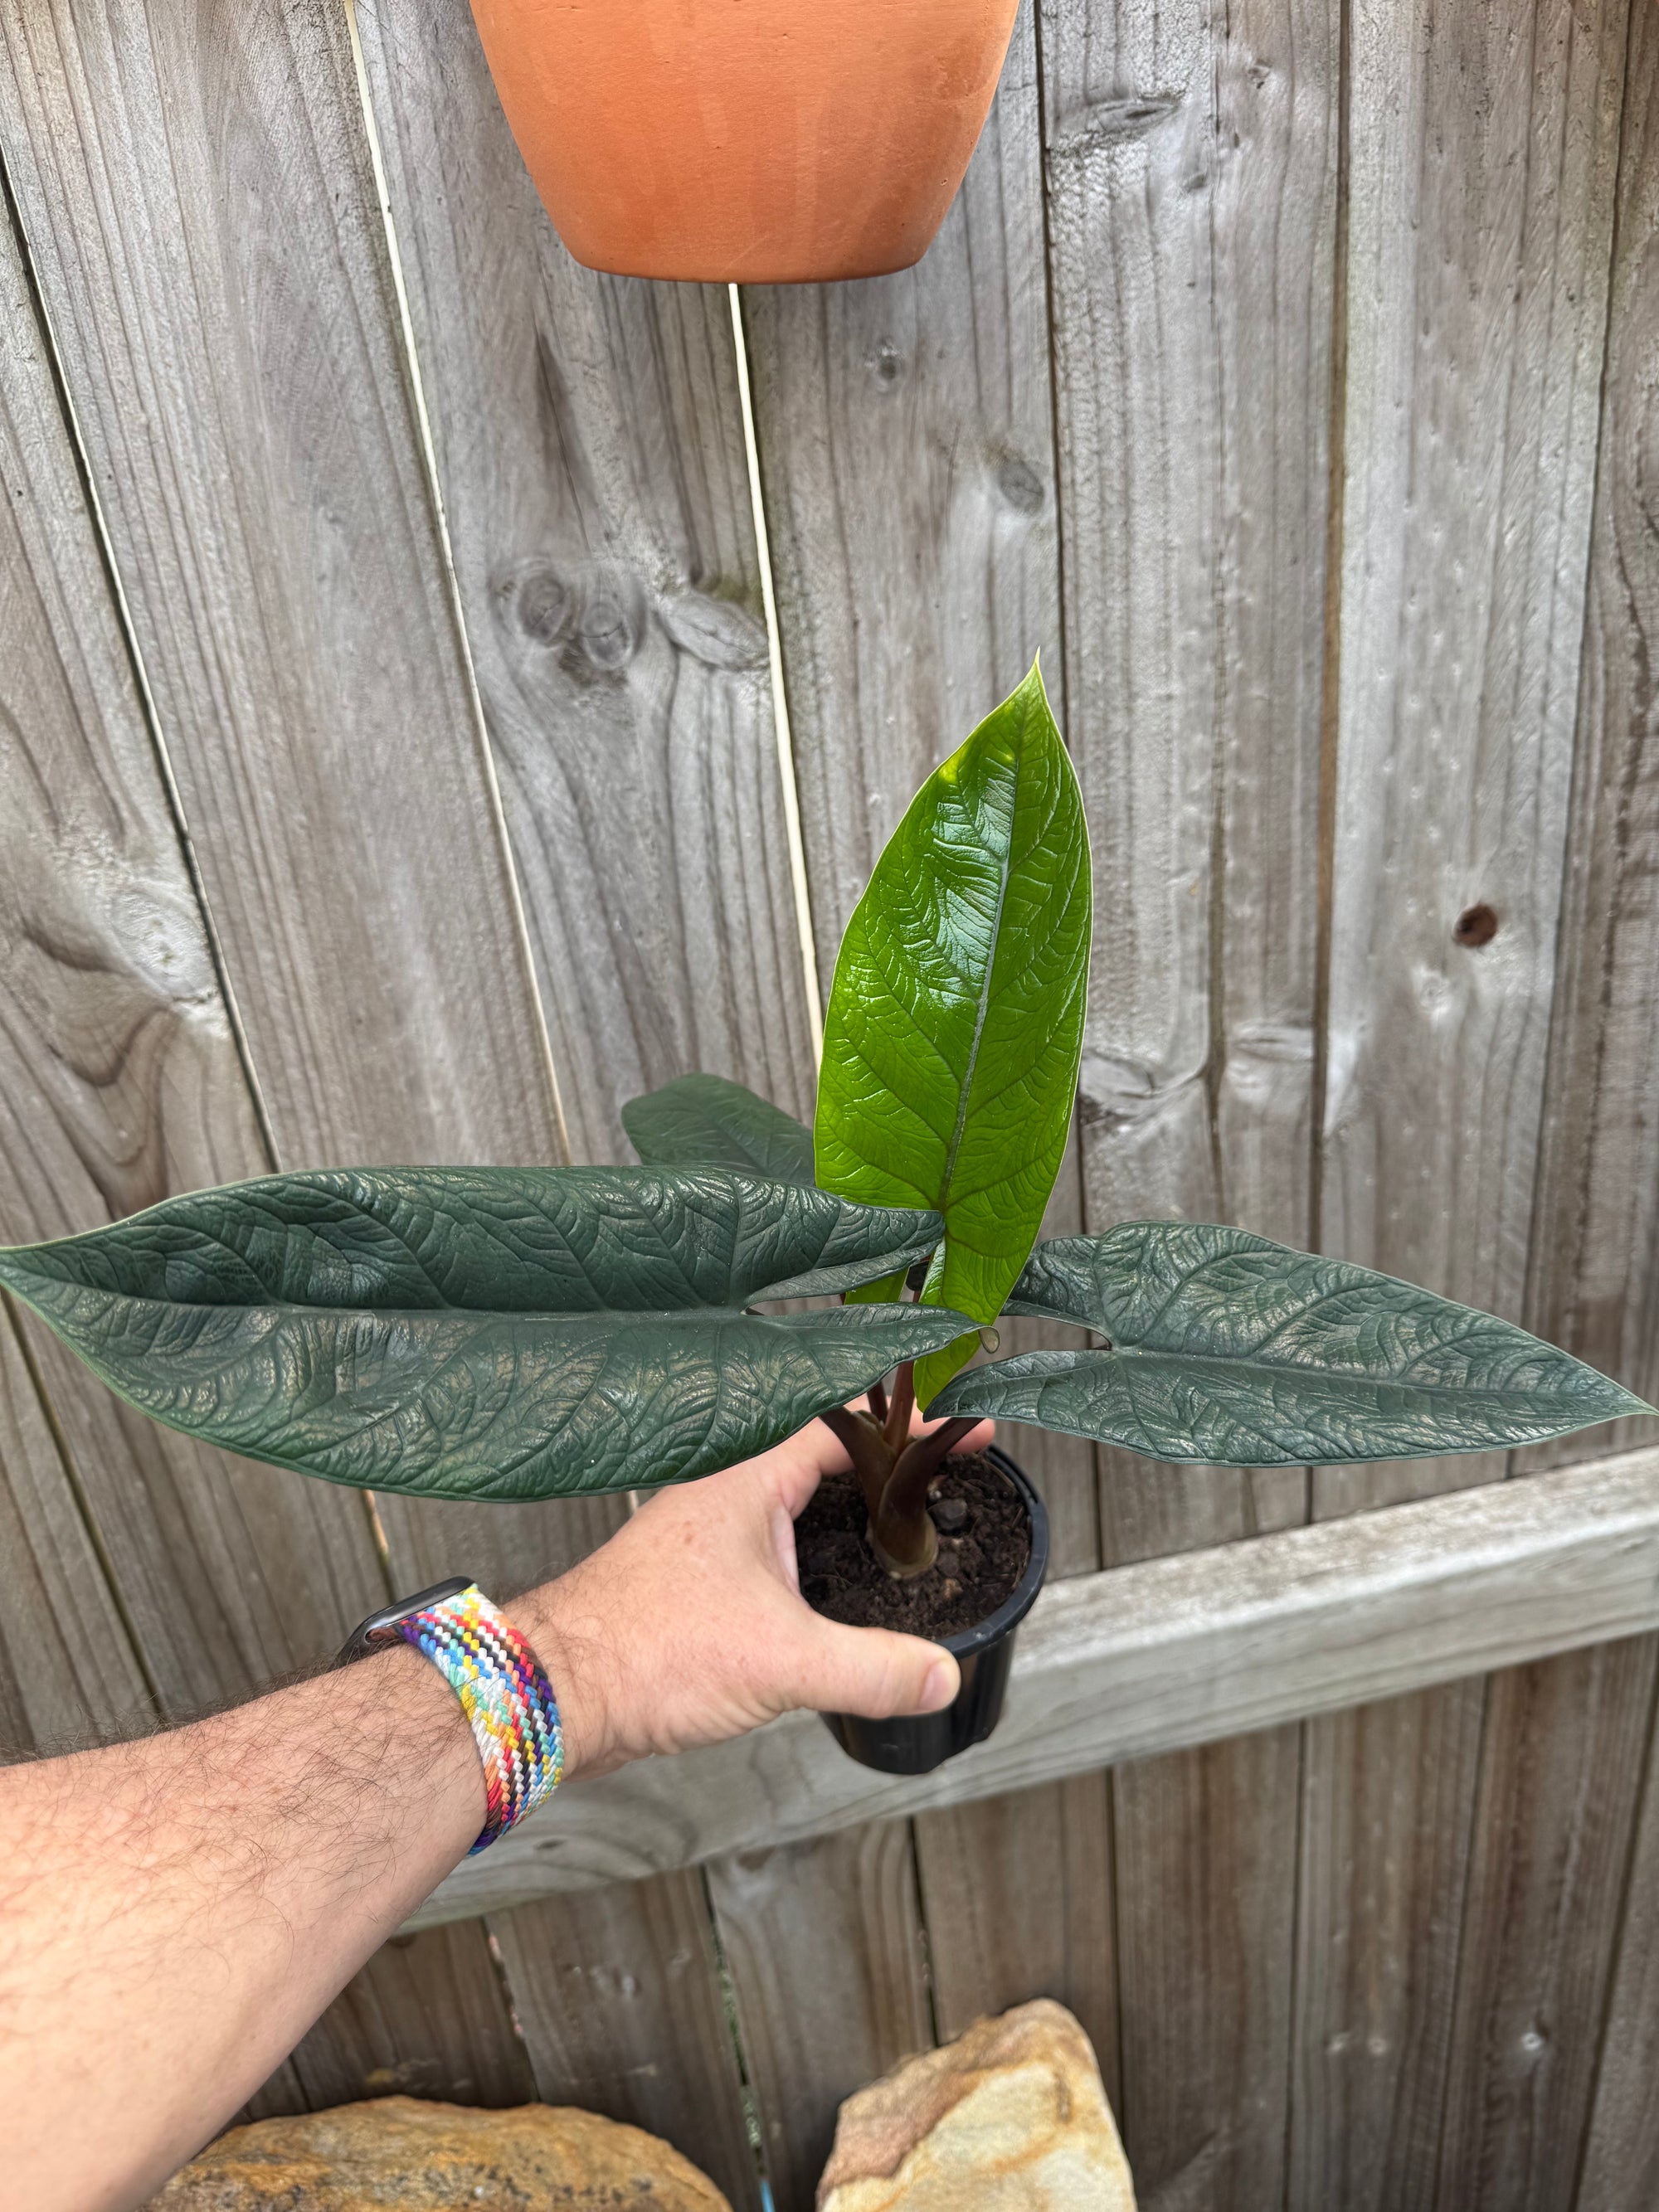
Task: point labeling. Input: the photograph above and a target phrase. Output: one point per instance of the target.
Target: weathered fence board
(1185, 1649)
(621, 2013)
(825, 1947)
(590, 451)
(906, 441)
(1483, 147)
(69, 1673)
(1564, 1748)
(588, 441)
(120, 1081)
(1595, 1287)
(1192, 172)
(270, 516)
(424, 2018)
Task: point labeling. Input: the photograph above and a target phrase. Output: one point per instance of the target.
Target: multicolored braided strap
(508, 1699)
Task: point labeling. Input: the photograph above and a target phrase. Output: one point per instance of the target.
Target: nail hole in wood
(1476, 925)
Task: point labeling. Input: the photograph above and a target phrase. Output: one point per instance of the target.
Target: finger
(872, 1671)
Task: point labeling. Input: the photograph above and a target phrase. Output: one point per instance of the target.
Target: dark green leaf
(1231, 1351)
(955, 1025)
(704, 1122)
(490, 1333)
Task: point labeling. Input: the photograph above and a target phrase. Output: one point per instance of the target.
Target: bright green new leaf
(704, 1122)
(505, 1333)
(1228, 1349)
(954, 1024)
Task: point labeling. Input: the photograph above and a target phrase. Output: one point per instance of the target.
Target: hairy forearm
(175, 1913)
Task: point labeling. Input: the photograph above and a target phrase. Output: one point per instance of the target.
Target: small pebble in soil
(977, 1568)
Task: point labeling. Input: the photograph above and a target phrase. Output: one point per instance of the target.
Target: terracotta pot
(765, 140)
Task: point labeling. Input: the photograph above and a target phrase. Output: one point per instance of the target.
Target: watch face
(380, 1630)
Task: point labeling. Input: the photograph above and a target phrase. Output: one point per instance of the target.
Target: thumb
(874, 1672)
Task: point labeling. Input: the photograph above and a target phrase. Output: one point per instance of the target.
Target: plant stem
(901, 1529)
(865, 1446)
(904, 1398)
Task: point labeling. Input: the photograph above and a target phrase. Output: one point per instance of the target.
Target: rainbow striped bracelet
(508, 1699)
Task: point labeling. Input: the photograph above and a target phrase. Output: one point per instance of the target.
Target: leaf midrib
(982, 1011)
(1127, 1352)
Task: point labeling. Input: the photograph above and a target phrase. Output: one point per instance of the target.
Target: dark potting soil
(984, 1542)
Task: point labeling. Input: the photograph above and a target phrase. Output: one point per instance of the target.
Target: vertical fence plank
(1596, 1289)
(426, 2017)
(1566, 1743)
(201, 213)
(1017, 1895)
(587, 435)
(68, 1674)
(589, 444)
(824, 1944)
(907, 452)
(119, 1078)
(618, 1996)
(1192, 180)
(1483, 142)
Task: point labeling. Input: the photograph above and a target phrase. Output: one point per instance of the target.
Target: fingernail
(939, 1687)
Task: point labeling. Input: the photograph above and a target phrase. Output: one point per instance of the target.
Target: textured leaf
(954, 1024)
(704, 1122)
(1229, 1349)
(490, 1333)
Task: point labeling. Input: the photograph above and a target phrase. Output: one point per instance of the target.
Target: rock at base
(397, 2154)
(1011, 2117)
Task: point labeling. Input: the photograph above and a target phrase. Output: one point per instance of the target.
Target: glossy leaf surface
(954, 1024)
(1229, 1349)
(704, 1120)
(491, 1333)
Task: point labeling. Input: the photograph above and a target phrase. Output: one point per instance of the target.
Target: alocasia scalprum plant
(518, 1333)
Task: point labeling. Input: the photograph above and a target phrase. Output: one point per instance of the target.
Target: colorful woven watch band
(506, 1697)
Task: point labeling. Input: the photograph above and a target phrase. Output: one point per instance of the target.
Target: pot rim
(1023, 1596)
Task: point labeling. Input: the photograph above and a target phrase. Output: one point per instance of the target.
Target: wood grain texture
(1483, 150)
(1565, 1746)
(69, 1673)
(618, 2001)
(589, 445)
(199, 201)
(1622, 2149)
(1191, 196)
(426, 2017)
(1560, 1779)
(120, 1081)
(1166, 1654)
(1041, 1924)
(819, 2017)
(1481, 199)
(1594, 1287)
(589, 448)
(906, 443)
(200, 210)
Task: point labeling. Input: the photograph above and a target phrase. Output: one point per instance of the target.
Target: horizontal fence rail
(1155, 1657)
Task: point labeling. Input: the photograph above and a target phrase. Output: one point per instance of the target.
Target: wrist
(572, 1663)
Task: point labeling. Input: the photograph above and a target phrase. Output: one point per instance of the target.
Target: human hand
(689, 1626)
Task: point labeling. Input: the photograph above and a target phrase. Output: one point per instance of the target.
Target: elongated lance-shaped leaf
(955, 1024)
(704, 1121)
(505, 1333)
(1229, 1349)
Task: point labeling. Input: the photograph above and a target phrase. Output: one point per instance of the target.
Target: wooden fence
(410, 748)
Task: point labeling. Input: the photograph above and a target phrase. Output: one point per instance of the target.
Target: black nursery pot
(916, 1743)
